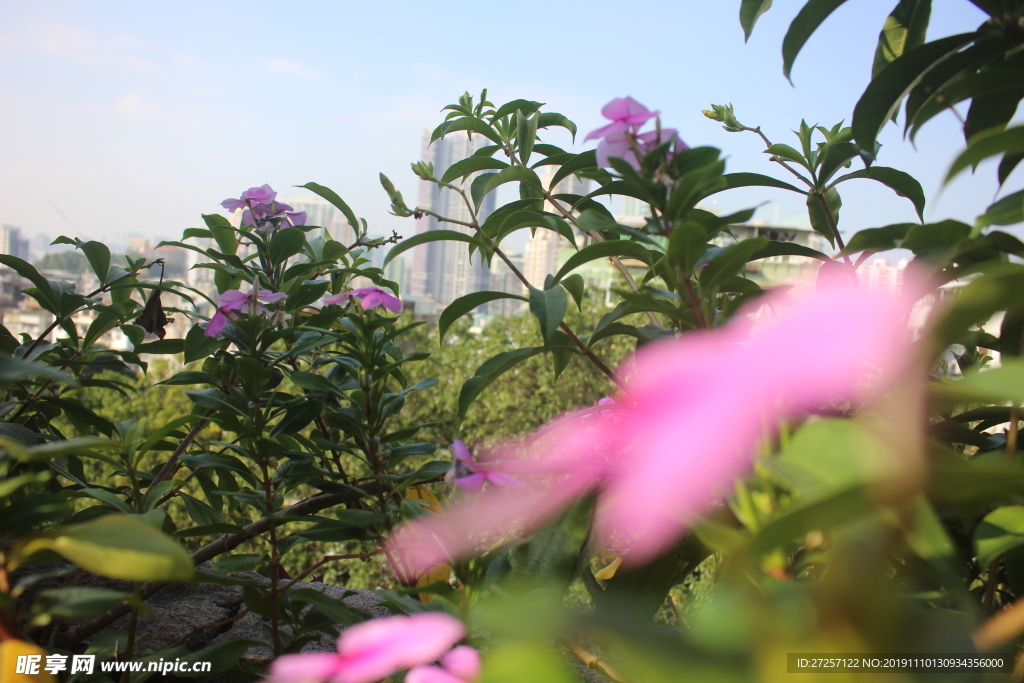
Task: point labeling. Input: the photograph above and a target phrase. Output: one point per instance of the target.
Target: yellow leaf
(421, 492)
(441, 572)
(609, 571)
(10, 650)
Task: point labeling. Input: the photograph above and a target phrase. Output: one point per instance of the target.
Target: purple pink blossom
(470, 476)
(368, 297)
(235, 301)
(375, 649)
(689, 419)
(260, 208)
(621, 138)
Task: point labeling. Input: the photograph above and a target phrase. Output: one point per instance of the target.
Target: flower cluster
(368, 297)
(376, 649)
(688, 421)
(235, 301)
(622, 137)
(260, 208)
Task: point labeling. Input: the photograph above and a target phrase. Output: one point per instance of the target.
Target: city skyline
(132, 120)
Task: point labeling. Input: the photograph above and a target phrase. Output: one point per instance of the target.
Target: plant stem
(171, 466)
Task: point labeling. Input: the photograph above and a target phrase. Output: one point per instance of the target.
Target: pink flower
(691, 415)
(458, 666)
(375, 649)
(470, 476)
(626, 114)
(260, 208)
(234, 301)
(254, 195)
(369, 297)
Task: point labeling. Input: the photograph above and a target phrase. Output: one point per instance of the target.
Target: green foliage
(70, 261)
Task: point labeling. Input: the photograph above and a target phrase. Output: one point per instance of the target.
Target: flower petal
(312, 667)
(377, 648)
(463, 661)
(432, 674)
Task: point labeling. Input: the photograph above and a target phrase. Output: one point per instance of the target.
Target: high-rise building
(444, 270)
(12, 243)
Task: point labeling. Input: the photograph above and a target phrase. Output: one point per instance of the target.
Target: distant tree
(68, 261)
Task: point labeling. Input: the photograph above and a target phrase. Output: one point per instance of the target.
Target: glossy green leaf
(298, 417)
(1000, 530)
(777, 248)
(548, 119)
(903, 184)
(730, 261)
(750, 12)
(582, 161)
(548, 306)
(988, 144)
(99, 258)
(285, 243)
(819, 219)
(756, 180)
(883, 95)
(116, 546)
(575, 285)
(465, 304)
(836, 156)
(904, 29)
(423, 238)
(13, 369)
(490, 371)
(339, 203)
(1007, 211)
(513, 174)
(807, 21)
(606, 249)
(77, 601)
(526, 133)
(687, 244)
(1005, 383)
(467, 123)
(878, 239)
(465, 167)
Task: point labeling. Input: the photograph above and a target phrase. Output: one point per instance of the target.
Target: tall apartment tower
(443, 270)
(541, 255)
(12, 243)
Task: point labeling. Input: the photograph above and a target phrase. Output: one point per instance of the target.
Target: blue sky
(135, 118)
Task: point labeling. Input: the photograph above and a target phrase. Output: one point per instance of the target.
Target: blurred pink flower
(470, 476)
(369, 297)
(260, 208)
(375, 649)
(254, 195)
(691, 415)
(458, 666)
(234, 301)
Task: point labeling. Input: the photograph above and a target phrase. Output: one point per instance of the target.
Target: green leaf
(465, 167)
(903, 184)
(548, 306)
(298, 417)
(730, 261)
(198, 345)
(819, 220)
(526, 134)
(606, 249)
(836, 155)
(526, 106)
(935, 238)
(987, 144)
(582, 161)
(161, 346)
(13, 369)
(1007, 211)
(807, 21)
(513, 174)
(215, 399)
(776, 248)
(333, 608)
(548, 119)
(116, 546)
(465, 304)
(285, 243)
(305, 294)
(423, 238)
(490, 371)
(750, 12)
(786, 152)
(575, 285)
(883, 95)
(686, 244)
(221, 657)
(878, 239)
(756, 180)
(331, 196)
(32, 275)
(904, 30)
(222, 232)
(77, 601)
(467, 123)
(99, 258)
(1005, 383)
(1000, 530)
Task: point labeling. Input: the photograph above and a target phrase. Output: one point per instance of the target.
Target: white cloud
(133, 108)
(289, 68)
(67, 41)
